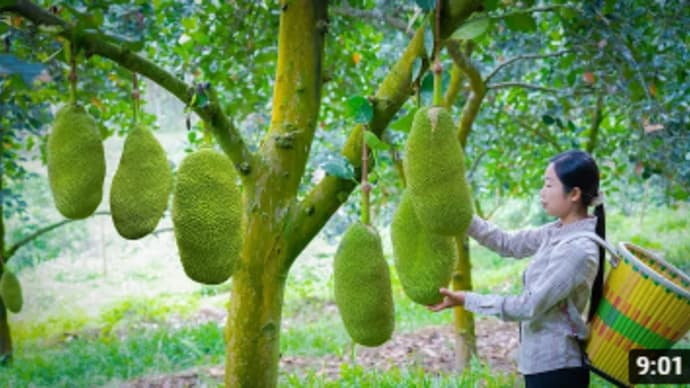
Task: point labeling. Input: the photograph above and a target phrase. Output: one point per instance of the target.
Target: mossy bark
(465, 337)
(5, 336)
(252, 330)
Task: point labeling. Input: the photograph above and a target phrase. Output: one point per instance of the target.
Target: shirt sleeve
(516, 244)
(559, 279)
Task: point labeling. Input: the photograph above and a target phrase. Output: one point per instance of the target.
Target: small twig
(504, 85)
(11, 251)
(545, 8)
(375, 16)
(523, 57)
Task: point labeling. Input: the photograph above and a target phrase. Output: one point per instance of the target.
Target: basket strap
(614, 256)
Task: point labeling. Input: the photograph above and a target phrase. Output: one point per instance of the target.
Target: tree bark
(465, 337)
(5, 335)
(252, 330)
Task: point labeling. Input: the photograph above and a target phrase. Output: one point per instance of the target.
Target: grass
(84, 328)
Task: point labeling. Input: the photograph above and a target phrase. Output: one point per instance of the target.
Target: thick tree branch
(325, 198)
(225, 132)
(471, 108)
(14, 247)
(516, 58)
(375, 15)
(296, 95)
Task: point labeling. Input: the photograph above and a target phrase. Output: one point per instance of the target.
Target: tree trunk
(5, 338)
(253, 327)
(252, 330)
(465, 338)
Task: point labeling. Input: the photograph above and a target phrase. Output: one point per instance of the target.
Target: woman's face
(554, 200)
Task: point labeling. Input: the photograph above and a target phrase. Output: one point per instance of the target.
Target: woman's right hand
(450, 299)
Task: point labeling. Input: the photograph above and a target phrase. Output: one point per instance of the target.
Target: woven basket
(646, 305)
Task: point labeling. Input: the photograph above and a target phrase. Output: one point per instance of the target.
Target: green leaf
(521, 22)
(548, 120)
(491, 5)
(404, 123)
(359, 108)
(416, 67)
(472, 29)
(373, 142)
(426, 5)
(429, 41)
(426, 90)
(340, 167)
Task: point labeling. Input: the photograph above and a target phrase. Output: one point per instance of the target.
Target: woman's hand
(450, 299)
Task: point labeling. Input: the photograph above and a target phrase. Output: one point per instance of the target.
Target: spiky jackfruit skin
(11, 292)
(435, 171)
(76, 163)
(363, 287)
(424, 261)
(207, 216)
(141, 185)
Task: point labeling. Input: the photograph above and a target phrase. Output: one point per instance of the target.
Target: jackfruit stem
(438, 95)
(72, 74)
(135, 99)
(437, 68)
(366, 187)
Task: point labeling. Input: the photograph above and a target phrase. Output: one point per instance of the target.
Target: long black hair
(578, 169)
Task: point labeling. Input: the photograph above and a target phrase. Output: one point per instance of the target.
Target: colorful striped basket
(646, 305)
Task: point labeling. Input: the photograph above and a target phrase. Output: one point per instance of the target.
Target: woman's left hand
(450, 299)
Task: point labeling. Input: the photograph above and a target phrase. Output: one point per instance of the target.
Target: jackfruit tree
(280, 61)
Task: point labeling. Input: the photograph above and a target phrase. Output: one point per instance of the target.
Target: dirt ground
(430, 348)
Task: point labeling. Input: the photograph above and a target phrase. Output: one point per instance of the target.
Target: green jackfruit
(11, 291)
(435, 171)
(207, 216)
(363, 286)
(424, 261)
(141, 185)
(76, 163)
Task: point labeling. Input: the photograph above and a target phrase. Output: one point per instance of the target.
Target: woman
(557, 282)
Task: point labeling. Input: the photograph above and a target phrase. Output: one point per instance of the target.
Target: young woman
(557, 282)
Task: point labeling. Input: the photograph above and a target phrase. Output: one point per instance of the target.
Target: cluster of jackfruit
(141, 185)
(362, 286)
(435, 171)
(76, 162)
(11, 291)
(435, 209)
(424, 261)
(207, 216)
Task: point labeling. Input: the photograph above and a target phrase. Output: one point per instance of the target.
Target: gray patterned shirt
(556, 289)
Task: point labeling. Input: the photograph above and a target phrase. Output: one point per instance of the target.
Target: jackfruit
(207, 216)
(11, 291)
(424, 261)
(435, 171)
(76, 163)
(363, 287)
(141, 185)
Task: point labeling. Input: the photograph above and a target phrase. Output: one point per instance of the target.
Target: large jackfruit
(424, 261)
(435, 171)
(207, 216)
(141, 185)
(363, 286)
(11, 291)
(76, 163)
